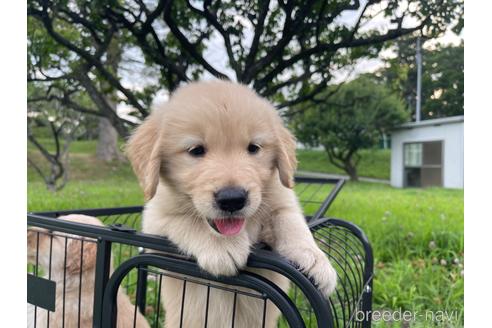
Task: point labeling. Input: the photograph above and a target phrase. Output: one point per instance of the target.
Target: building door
(423, 164)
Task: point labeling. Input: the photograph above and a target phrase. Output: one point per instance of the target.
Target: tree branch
(151, 17)
(212, 19)
(190, 48)
(100, 101)
(288, 31)
(309, 96)
(357, 24)
(329, 47)
(38, 170)
(296, 79)
(157, 55)
(90, 59)
(76, 19)
(334, 159)
(245, 77)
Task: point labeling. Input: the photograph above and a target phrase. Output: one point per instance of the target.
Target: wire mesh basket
(99, 276)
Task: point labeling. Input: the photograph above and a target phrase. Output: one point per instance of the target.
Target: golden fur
(225, 118)
(72, 278)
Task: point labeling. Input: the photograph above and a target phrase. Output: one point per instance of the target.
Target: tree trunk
(343, 162)
(107, 146)
(351, 171)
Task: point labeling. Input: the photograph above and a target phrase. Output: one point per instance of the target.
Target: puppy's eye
(253, 148)
(197, 151)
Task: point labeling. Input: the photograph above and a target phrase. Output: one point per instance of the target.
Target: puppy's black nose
(231, 199)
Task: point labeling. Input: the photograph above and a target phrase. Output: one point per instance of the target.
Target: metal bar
(243, 279)
(36, 274)
(266, 260)
(183, 295)
(359, 234)
(263, 320)
(80, 279)
(320, 186)
(418, 58)
(94, 211)
(97, 232)
(299, 193)
(262, 259)
(64, 281)
(259, 259)
(329, 200)
(368, 262)
(137, 296)
(158, 302)
(337, 241)
(103, 264)
(49, 276)
(234, 310)
(207, 306)
(304, 179)
(367, 300)
(141, 289)
(335, 315)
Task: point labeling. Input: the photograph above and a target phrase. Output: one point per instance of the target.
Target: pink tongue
(229, 226)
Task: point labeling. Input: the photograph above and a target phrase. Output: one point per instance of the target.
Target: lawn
(416, 234)
(374, 163)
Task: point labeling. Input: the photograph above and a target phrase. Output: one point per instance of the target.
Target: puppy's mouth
(229, 226)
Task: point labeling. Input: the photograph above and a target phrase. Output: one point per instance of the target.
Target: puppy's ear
(286, 157)
(75, 250)
(143, 152)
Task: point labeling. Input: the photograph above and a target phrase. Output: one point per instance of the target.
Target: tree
(281, 48)
(107, 146)
(63, 127)
(442, 78)
(287, 50)
(353, 116)
(443, 82)
(68, 80)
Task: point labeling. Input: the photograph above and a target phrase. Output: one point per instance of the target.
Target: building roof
(432, 122)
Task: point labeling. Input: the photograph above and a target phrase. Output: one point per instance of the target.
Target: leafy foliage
(352, 117)
(442, 78)
(286, 50)
(91, 55)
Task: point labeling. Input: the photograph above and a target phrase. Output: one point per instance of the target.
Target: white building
(428, 153)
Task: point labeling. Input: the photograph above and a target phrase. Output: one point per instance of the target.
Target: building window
(423, 164)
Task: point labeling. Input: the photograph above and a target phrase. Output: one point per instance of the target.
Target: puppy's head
(62, 252)
(218, 145)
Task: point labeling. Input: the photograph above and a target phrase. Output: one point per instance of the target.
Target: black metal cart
(141, 274)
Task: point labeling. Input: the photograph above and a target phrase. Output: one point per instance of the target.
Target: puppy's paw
(223, 263)
(314, 263)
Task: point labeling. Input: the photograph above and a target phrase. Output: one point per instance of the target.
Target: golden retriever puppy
(74, 274)
(216, 165)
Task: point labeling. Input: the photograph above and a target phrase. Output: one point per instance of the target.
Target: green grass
(418, 242)
(76, 147)
(416, 234)
(374, 163)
